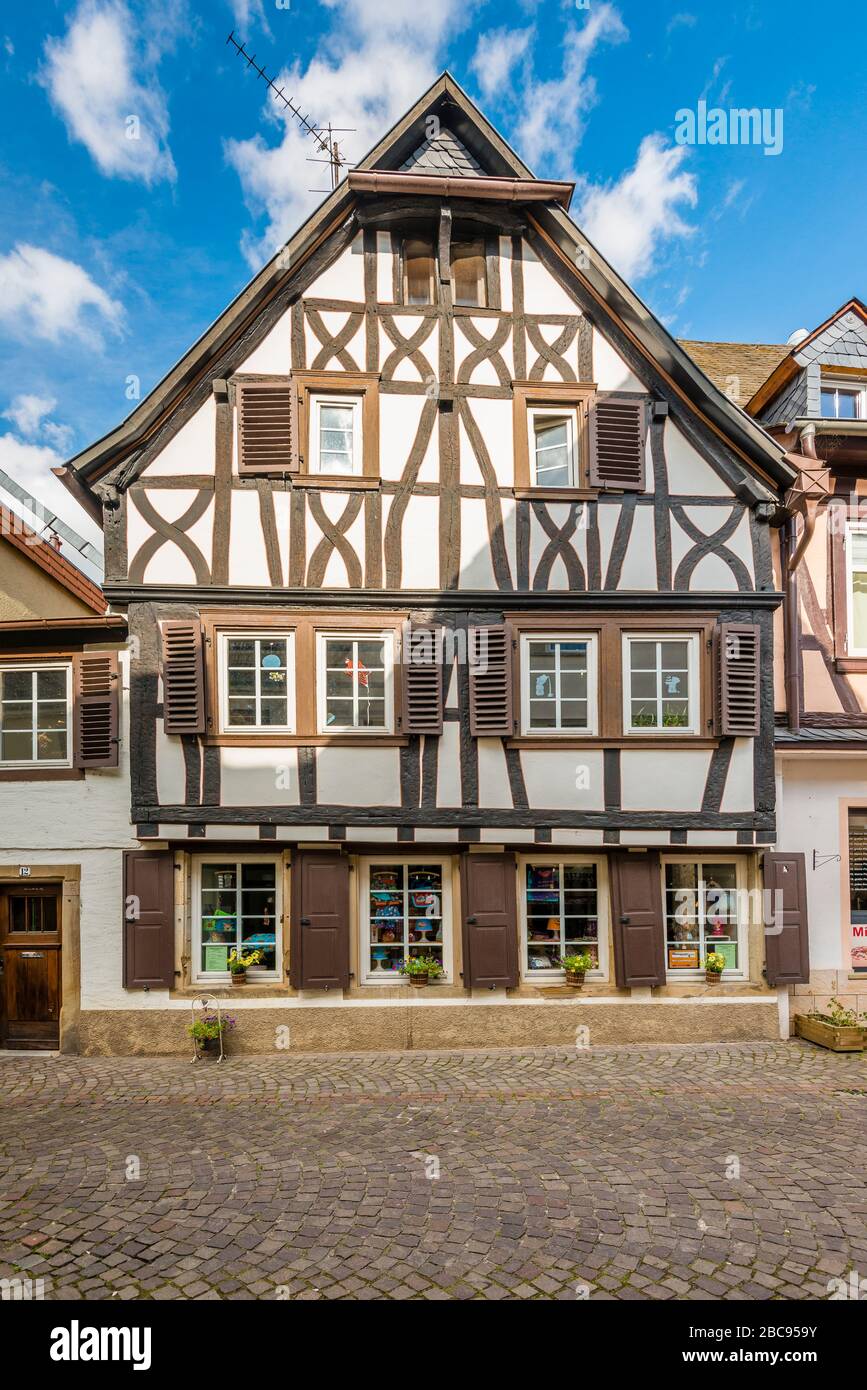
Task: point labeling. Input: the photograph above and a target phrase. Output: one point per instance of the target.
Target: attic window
(469, 281)
(844, 400)
(419, 270)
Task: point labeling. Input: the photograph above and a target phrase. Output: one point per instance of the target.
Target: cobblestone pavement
(314, 1176)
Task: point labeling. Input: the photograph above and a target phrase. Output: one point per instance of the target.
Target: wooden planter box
(826, 1034)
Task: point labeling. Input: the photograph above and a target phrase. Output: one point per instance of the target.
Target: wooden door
(319, 942)
(30, 956)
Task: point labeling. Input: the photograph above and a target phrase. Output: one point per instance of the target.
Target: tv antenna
(323, 135)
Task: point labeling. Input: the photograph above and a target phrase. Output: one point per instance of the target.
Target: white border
(266, 635)
(355, 635)
(603, 903)
(200, 976)
(694, 701)
(592, 684)
(444, 862)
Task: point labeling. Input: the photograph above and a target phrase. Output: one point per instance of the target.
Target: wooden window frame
(592, 639)
(548, 395)
(255, 634)
(420, 233)
(609, 630)
(346, 633)
(659, 635)
(360, 385)
(31, 769)
(304, 625)
(603, 915)
(741, 886)
(257, 975)
(464, 236)
(366, 862)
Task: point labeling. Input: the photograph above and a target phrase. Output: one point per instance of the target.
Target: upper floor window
(856, 552)
(335, 434)
(419, 270)
(660, 683)
(469, 277)
(844, 400)
(257, 682)
(554, 447)
(35, 715)
(355, 682)
(559, 694)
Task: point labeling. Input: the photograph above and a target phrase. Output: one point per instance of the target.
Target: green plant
(578, 964)
(715, 962)
(240, 961)
(210, 1026)
(421, 965)
(839, 1016)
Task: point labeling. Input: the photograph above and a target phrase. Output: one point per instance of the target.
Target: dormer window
(469, 279)
(844, 400)
(419, 270)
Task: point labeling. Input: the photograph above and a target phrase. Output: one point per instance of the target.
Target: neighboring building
(813, 400)
(438, 413)
(64, 788)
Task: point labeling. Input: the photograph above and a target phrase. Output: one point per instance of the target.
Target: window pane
(242, 682)
(242, 712)
(674, 656)
(338, 651)
(553, 451)
(241, 651)
(675, 714)
(859, 609)
(573, 714)
(17, 715)
(17, 748)
(371, 654)
(418, 270)
(543, 714)
(273, 713)
(51, 685)
(468, 272)
(643, 715)
(847, 405)
(339, 712)
(17, 685)
(51, 747)
(642, 656)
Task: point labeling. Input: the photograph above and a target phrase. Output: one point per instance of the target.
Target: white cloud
(28, 412)
(553, 123)
(46, 296)
(497, 53)
(629, 219)
(374, 62)
(249, 14)
(101, 78)
(30, 466)
(681, 21)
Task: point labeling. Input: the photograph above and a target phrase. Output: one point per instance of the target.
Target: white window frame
(852, 528)
(197, 975)
(592, 684)
(257, 635)
(603, 913)
(853, 386)
(10, 764)
(693, 685)
(555, 412)
(317, 400)
(743, 970)
(386, 635)
(443, 862)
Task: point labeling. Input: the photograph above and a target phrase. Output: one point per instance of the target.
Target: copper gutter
(441, 186)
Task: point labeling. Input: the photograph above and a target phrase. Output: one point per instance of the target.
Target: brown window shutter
(787, 941)
(638, 926)
(319, 933)
(421, 680)
(490, 921)
(149, 919)
(95, 717)
(183, 678)
(268, 426)
(490, 671)
(618, 430)
(738, 673)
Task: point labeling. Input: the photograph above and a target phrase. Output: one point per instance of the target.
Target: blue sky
(116, 252)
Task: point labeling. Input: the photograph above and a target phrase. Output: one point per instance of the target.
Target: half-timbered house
(811, 395)
(449, 578)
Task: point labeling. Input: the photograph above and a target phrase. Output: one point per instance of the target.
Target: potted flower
(207, 1031)
(576, 966)
(714, 965)
(838, 1029)
(420, 970)
(240, 962)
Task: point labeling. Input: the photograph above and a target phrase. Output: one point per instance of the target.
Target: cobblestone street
(494, 1175)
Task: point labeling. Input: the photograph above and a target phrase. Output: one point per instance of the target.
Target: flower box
(838, 1038)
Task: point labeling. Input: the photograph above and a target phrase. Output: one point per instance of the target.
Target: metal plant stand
(206, 1004)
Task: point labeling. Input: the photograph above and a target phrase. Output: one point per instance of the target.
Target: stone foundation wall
(427, 1027)
(828, 984)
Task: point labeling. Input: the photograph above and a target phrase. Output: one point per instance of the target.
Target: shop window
(559, 684)
(561, 903)
(355, 683)
(35, 716)
(257, 682)
(406, 912)
(236, 908)
(702, 914)
(660, 684)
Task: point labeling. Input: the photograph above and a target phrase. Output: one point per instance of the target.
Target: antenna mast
(323, 135)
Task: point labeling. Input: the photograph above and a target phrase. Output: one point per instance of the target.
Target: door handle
(625, 921)
(305, 921)
(471, 921)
